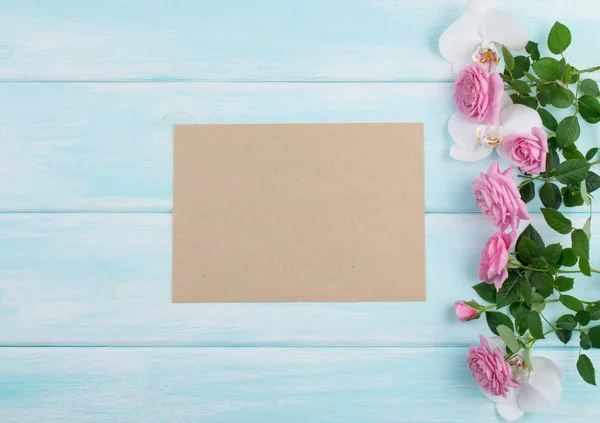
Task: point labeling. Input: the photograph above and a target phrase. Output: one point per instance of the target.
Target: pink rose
(494, 258)
(464, 312)
(498, 198)
(528, 151)
(489, 369)
(478, 95)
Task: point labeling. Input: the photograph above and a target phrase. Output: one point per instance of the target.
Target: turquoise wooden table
(89, 91)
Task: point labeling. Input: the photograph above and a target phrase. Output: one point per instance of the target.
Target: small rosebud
(466, 311)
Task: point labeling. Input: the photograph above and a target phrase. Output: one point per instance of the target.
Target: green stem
(577, 271)
(595, 68)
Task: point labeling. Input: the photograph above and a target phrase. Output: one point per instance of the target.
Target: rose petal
(509, 411)
(459, 41)
(519, 119)
(504, 28)
(496, 91)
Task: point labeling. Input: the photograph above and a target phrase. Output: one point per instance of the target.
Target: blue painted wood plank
(91, 147)
(105, 279)
(266, 40)
(231, 385)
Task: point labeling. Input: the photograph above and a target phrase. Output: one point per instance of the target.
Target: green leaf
(533, 235)
(509, 61)
(589, 87)
(547, 69)
(583, 317)
(552, 160)
(530, 102)
(486, 291)
(584, 266)
(559, 38)
(592, 182)
(520, 86)
(557, 221)
(571, 199)
(527, 250)
(547, 195)
(521, 66)
(571, 303)
(571, 152)
(509, 293)
(562, 67)
(587, 227)
(527, 192)
(552, 253)
(564, 284)
(568, 131)
(580, 244)
(568, 258)
(542, 282)
(571, 171)
(495, 319)
(586, 369)
(508, 336)
(594, 310)
(525, 292)
(519, 311)
(547, 119)
(533, 50)
(539, 304)
(584, 194)
(584, 341)
(589, 109)
(564, 335)
(566, 322)
(535, 325)
(591, 153)
(594, 334)
(558, 96)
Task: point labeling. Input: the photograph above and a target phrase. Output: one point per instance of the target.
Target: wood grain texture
(105, 279)
(262, 40)
(232, 385)
(105, 147)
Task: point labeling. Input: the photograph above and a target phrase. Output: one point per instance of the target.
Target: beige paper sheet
(298, 212)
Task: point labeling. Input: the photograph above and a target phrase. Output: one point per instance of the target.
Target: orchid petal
(474, 154)
(505, 102)
(504, 28)
(503, 154)
(519, 119)
(509, 411)
(542, 392)
(511, 396)
(459, 41)
(462, 131)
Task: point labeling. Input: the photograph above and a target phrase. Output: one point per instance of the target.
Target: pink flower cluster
(498, 198)
(478, 94)
(490, 371)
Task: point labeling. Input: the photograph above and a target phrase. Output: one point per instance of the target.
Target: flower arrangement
(512, 111)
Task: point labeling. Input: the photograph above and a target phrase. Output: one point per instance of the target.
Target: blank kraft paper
(298, 212)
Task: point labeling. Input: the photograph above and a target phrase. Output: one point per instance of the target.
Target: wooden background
(89, 91)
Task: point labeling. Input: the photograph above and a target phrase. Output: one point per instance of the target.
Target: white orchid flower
(540, 389)
(474, 141)
(478, 35)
